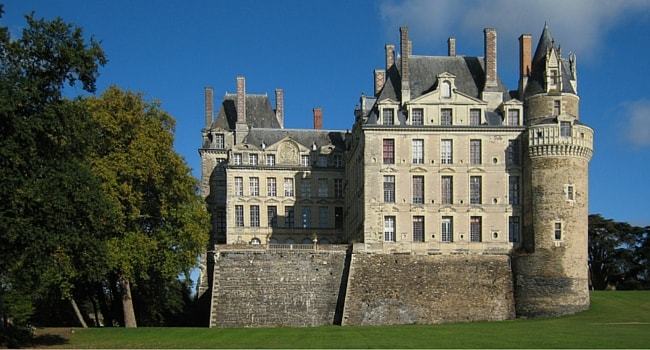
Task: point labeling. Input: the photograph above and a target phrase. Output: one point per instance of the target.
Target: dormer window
(565, 129)
(513, 117)
(417, 116)
(446, 89)
(388, 116)
(445, 116)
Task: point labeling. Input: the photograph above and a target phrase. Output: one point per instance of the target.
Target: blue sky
(322, 53)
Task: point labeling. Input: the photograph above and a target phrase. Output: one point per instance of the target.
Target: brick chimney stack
(490, 57)
(390, 55)
(209, 107)
(279, 106)
(318, 118)
(525, 60)
(380, 80)
(451, 46)
(241, 100)
(405, 51)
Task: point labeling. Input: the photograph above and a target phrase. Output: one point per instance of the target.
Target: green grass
(615, 320)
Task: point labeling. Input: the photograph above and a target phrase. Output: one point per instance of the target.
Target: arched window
(256, 241)
(446, 89)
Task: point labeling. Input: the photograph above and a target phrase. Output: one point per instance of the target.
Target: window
(254, 183)
(565, 129)
(447, 189)
(389, 229)
(252, 159)
(306, 217)
(221, 222)
(272, 215)
(338, 188)
(569, 192)
(338, 217)
(556, 107)
(237, 159)
(446, 89)
(513, 229)
(418, 229)
(239, 215)
(305, 188)
(322, 161)
(239, 186)
(475, 184)
(475, 229)
(388, 116)
(447, 229)
(338, 160)
(219, 141)
(557, 231)
(513, 190)
(304, 160)
(270, 159)
(322, 188)
(445, 116)
(553, 77)
(389, 188)
(417, 116)
(288, 216)
(271, 187)
(474, 116)
(288, 187)
(475, 152)
(389, 151)
(446, 151)
(513, 117)
(323, 217)
(255, 216)
(418, 151)
(418, 189)
(513, 152)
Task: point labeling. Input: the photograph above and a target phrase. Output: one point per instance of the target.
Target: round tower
(550, 268)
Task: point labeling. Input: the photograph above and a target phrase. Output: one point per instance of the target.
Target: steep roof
(259, 112)
(305, 137)
(536, 80)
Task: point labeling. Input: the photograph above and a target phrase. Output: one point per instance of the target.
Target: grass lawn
(616, 320)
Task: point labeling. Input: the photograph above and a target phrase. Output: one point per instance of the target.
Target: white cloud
(636, 127)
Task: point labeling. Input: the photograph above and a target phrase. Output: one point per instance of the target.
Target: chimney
(279, 106)
(490, 57)
(380, 79)
(525, 60)
(241, 100)
(209, 107)
(318, 118)
(405, 50)
(390, 55)
(451, 46)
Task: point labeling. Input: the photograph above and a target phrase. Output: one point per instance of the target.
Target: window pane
(446, 151)
(418, 189)
(389, 188)
(323, 217)
(475, 229)
(288, 216)
(239, 215)
(288, 187)
(239, 186)
(254, 186)
(475, 152)
(272, 215)
(306, 217)
(445, 116)
(474, 116)
(447, 229)
(338, 188)
(322, 188)
(389, 229)
(447, 184)
(418, 151)
(417, 116)
(255, 216)
(513, 229)
(387, 117)
(513, 190)
(305, 188)
(418, 229)
(513, 117)
(389, 151)
(475, 189)
(271, 187)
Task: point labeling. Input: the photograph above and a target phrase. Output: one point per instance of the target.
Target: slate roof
(305, 137)
(536, 81)
(259, 112)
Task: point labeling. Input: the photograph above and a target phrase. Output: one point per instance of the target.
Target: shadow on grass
(25, 338)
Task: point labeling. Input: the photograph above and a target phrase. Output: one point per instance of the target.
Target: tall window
(322, 161)
(255, 216)
(271, 187)
(288, 216)
(323, 217)
(272, 215)
(417, 116)
(305, 188)
(239, 186)
(447, 189)
(219, 141)
(446, 89)
(338, 160)
(304, 160)
(565, 129)
(389, 228)
(475, 152)
(338, 217)
(389, 151)
(239, 215)
(556, 107)
(338, 188)
(270, 159)
(446, 151)
(513, 190)
(569, 192)
(557, 231)
(322, 188)
(447, 229)
(513, 229)
(254, 183)
(418, 229)
(474, 116)
(418, 189)
(418, 151)
(389, 188)
(388, 116)
(513, 117)
(306, 217)
(513, 152)
(475, 229)
(288, 187)
(475, 189)
(237, 159)
(252, 159)
(445, 116)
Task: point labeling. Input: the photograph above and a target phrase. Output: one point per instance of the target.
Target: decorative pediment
(288, 153)
(436, 97)
(418, 169)
(388, 170)
(475, 170)
(447, 170)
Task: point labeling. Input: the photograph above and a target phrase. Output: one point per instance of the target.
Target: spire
(545, 43)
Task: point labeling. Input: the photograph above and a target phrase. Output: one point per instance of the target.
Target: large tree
(162, 222)
(52, 211)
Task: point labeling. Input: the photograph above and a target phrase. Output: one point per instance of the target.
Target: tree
(162, 222)
(53, 212)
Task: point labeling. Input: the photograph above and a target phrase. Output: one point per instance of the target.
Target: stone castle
(451, 199)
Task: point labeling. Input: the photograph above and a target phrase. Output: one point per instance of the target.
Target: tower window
(557, 231)
(556, 107)
(565, 129)
(569, 192)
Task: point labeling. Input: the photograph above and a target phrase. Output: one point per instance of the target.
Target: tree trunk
(78, 313)
(127, 303)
